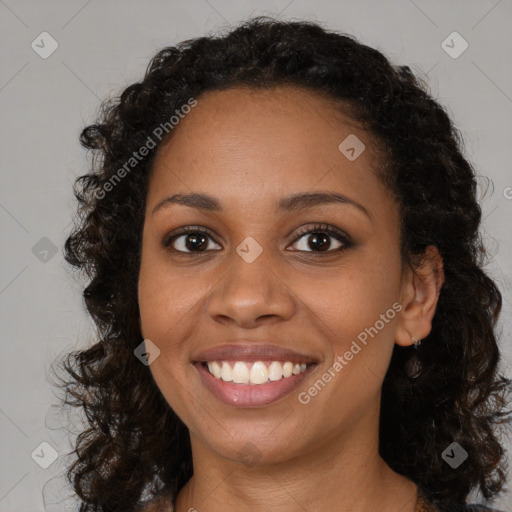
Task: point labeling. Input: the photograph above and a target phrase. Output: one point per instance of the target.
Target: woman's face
(260, 289)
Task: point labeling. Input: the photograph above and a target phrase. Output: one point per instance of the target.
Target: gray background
(104, 46)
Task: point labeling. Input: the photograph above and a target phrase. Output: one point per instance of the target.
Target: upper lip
(251, 352)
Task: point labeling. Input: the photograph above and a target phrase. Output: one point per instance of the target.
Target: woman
(281, 237)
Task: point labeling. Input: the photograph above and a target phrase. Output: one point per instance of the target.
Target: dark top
(479, 508)
(425, 505)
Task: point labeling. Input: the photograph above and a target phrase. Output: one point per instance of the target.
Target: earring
(413, 366)
(417, 343)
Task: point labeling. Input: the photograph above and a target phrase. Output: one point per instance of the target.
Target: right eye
(189, 240)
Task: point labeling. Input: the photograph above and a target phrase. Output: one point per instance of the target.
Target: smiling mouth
(252, 384)
(254, 373)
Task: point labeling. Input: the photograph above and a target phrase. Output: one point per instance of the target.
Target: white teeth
(215, 369)
(254, 373)
(240, 373)
(259, 373)
(275, 371)
(287, 369)
(227, 372)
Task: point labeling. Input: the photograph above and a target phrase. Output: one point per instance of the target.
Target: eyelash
(333, 232)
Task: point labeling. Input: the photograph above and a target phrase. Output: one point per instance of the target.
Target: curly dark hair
(135, 446)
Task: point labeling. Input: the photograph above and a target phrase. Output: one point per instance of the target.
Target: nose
(251, 293)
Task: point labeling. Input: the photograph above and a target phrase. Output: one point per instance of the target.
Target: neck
(347, 475)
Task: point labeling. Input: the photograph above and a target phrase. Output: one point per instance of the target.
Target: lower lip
(250, 395)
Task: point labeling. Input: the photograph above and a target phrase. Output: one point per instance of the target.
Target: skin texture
(250, 148)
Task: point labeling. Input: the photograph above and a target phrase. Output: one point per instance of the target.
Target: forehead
(275, 117)
(264, 141)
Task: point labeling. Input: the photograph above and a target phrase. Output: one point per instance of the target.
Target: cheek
(341, 302)
(353, 299)
(356, 317)
(356, 313)
(168, 305)
(169, 298)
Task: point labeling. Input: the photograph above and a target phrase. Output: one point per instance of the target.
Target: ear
(420, 291)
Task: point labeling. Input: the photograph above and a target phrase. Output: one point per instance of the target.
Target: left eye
(319, 239)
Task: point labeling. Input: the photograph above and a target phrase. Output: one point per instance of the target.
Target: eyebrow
(294, 202)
